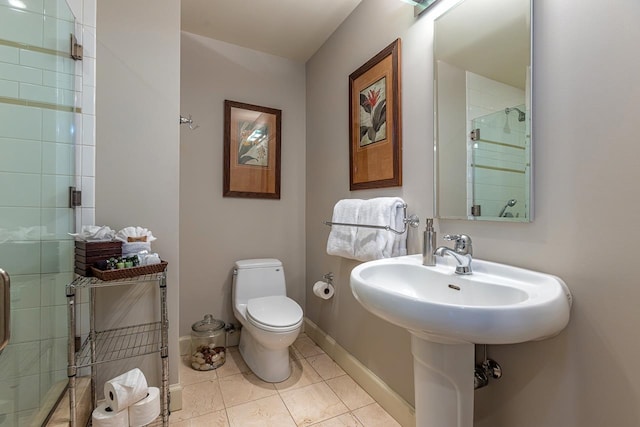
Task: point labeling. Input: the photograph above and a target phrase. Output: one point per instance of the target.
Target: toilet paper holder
(328, 277)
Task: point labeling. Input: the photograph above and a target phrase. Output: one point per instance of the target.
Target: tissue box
(88, 253)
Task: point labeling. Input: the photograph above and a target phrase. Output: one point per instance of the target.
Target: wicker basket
(125, 273)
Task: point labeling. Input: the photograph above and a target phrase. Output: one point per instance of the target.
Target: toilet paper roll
(125, 390)
(104, 416)
(143, 412)
(323, 290)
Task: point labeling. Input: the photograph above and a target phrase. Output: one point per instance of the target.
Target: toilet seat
(274, 313)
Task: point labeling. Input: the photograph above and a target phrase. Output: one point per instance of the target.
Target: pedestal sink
(447, 314)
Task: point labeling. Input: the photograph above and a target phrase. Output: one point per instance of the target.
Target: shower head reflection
(510, 203)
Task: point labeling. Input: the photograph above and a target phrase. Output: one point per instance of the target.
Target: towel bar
(412, 220)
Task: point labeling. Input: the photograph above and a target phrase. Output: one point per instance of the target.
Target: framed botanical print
(251, 151)
(375, 122)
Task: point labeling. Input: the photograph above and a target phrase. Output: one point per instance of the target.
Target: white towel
(371, 243)
(341, 241)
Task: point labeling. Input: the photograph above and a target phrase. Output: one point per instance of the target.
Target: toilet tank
(254, 278)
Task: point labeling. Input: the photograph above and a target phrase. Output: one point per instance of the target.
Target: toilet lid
(274, 311)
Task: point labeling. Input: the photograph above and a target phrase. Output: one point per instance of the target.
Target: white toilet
(270, 320)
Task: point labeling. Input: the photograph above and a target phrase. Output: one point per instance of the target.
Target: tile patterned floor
(318, 393)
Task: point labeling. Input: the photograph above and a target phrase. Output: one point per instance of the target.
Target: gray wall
(215, 231)
(586, 92)
(137, 149)
(381, 346)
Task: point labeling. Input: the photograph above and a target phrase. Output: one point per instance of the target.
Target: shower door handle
(5, 307)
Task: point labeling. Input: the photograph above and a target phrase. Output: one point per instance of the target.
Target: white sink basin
(497, 304)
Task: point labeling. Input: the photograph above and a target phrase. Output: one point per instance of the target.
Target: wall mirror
(482, 91)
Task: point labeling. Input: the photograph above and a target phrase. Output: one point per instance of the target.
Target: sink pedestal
(443, 375)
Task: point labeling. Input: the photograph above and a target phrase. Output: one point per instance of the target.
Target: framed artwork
(375, 122)
(251, 151)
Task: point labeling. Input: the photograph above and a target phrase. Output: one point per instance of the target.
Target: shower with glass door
(499, 164)
(37, 168)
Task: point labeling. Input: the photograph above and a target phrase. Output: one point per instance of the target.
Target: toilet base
(270, 365)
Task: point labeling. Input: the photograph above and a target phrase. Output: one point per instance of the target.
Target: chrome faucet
(462, 251)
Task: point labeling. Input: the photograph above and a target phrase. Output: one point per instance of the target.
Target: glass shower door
(37, 167)
(499, 165)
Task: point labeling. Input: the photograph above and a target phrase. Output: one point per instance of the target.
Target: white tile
(18, 360)
(89, 71)
(55, 79)
(88, 191)
(57, 32)
(89, 41)
(18, 189)
(53, 354)
(47, 61)
(25, 291)
(88, 161)
(10, 89)
(58, 9)
(25, 325)
(77, 129)
(20, 258)
(20, 155)
(57, 256)
(58, 126)
(57, 223)
(76, 8)
(53, 321)
(28, 397)
(88, 100)
(19, 223)
(30, 5)
(52, 288)
(55, 190)
(9, 54)
(89, 13)
(20, 73)
(20, 122)
(88, 216)
(88, 129)
(57, 158)
(50, 379)
(47, 94)
(78, 163)
(14, 23)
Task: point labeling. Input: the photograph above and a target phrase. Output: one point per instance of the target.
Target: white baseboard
(175, 391)
(391, 401)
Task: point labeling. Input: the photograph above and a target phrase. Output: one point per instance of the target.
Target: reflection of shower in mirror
(521, 117)
(521, 114)
(510, 203)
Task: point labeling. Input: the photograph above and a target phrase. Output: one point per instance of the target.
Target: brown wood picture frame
(251, 151)
(375, 122)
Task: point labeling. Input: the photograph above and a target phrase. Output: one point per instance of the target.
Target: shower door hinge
(75, 197)
(476, 210)
(474, 134)
(76, 49)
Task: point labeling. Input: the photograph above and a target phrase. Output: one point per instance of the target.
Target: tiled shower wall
(494, 187)
(42, 141)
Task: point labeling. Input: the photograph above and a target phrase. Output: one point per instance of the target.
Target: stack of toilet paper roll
(128, 402)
